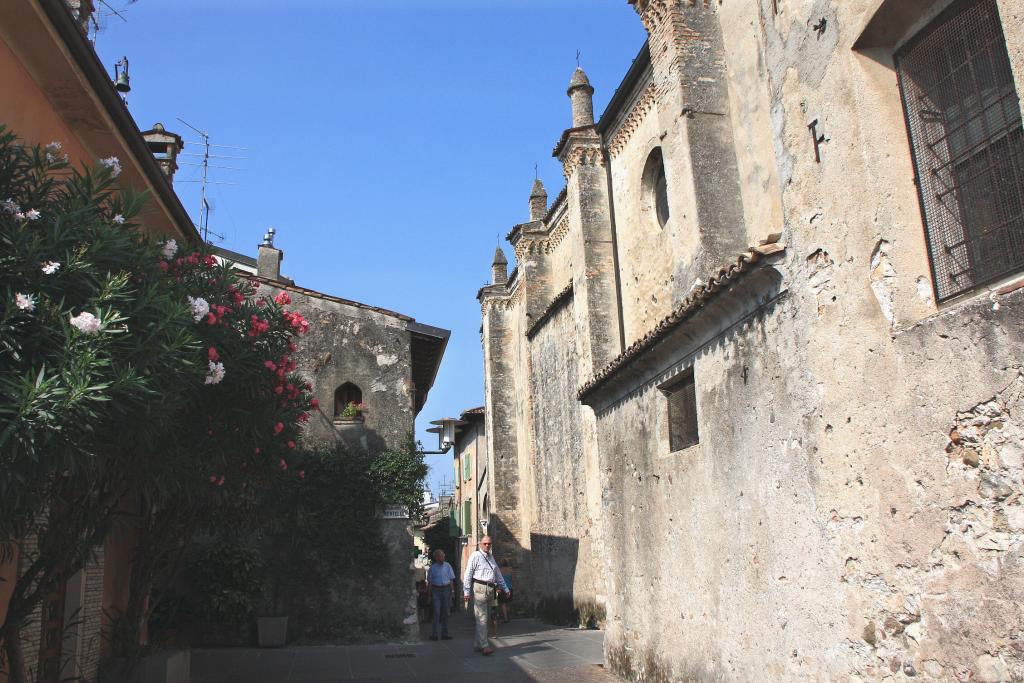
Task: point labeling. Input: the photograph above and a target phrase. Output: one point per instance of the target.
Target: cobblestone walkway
(527, 652)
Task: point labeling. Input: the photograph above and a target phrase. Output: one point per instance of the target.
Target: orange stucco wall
(26, 110)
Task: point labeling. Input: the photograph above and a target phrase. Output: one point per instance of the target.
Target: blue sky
(390, 143)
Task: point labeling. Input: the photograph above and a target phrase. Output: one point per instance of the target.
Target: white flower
(32, 215)
(25, 302)
(216, 373)
(200, 307)
(86, 322)
(114, 164)
(10, 207)
(52, 150)
(50, 267)
(119, 219)
(170, 249)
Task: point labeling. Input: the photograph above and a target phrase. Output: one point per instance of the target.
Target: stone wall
(853, 509)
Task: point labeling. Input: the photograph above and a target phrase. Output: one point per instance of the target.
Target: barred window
(682, 412)
(964, 121)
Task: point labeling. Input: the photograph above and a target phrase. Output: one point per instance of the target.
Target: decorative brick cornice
(700, 296)
(632, 120)
(491, 301)
(653, 12)
(581, 156)
(557, 235)
(556, 205)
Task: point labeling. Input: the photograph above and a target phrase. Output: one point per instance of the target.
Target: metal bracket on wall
(818, 139)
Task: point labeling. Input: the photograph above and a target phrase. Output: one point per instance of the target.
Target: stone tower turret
(538, 201)
(582, 96)
(499, 268)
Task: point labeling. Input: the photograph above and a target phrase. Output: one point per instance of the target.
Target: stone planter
(168, 666)
(271, 631)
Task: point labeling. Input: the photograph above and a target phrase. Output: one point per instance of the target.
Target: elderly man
(483, 578)
(440, 584)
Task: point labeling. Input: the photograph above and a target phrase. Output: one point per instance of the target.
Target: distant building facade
(753, 389)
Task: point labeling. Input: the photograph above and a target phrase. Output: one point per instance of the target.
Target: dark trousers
(442, 602)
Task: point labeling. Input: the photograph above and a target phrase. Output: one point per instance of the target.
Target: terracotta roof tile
(701, 294)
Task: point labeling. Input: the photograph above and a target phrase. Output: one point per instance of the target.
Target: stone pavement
(527, 652)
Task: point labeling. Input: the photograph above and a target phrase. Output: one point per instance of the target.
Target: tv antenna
(204, 202)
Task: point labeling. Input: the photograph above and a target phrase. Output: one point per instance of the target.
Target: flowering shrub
(131, 373)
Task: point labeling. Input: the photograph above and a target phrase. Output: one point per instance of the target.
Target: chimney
(268, 264)
(82, 11)
(165, 147)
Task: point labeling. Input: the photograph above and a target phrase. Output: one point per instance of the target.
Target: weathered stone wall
(840, 519)
(370, 349)
(566, 576)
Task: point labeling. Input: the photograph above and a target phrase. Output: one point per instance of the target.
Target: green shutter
(466, 470)
(467, 517)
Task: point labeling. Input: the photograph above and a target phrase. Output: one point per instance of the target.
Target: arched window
(655, 188)
(345, 394)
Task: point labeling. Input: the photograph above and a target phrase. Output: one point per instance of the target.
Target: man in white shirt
(482, 578)
(440, 584)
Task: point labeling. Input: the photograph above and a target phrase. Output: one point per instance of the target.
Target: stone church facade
(753, 388)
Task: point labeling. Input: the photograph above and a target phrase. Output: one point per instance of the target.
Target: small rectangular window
(682, 411)
(964, 121)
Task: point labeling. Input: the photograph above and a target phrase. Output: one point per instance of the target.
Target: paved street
(528, 651)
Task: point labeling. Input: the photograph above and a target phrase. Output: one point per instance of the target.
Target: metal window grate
(682, 412)
(964, 119)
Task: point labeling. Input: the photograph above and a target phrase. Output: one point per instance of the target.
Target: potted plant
(352, 412)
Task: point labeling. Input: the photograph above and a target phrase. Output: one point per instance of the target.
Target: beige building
(753, 387)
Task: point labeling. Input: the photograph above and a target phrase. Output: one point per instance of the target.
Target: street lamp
(445, 434)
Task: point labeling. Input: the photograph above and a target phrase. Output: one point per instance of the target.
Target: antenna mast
(204, 206)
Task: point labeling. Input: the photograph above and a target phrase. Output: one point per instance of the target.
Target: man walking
(440, 583)
(483, 578)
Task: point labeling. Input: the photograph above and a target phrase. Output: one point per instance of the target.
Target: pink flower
(278, 428)
(261, 303)
(315, 404)
(282, 299)
(258, 450)
(278, 389)
(212, 354)
(213, 478)
(291, 444)
(283, 465)
(220, 482)
(302, 474)
(270, 365)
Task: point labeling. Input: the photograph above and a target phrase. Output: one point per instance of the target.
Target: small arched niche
(655, 189)
(345, 394)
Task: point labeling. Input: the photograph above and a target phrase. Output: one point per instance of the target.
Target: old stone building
(753, 387)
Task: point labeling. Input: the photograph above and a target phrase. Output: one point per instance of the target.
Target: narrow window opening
(682, 412)
(346, 394)
(655, 188)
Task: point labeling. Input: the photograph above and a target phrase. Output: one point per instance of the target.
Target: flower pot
(271, 631)
(168, 666)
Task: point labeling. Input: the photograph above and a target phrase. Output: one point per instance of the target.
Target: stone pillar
(581, 94)
(500, 399)
(594, 275)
